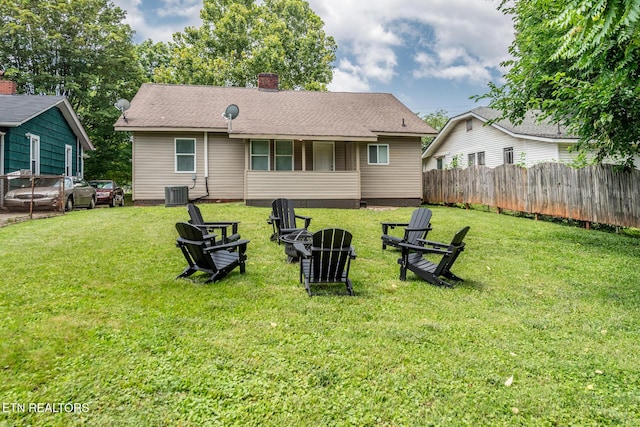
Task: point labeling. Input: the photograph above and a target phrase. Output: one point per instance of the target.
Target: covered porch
(312, 173)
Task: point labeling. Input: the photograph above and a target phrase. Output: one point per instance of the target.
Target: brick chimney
(268, 81)
(7, 87)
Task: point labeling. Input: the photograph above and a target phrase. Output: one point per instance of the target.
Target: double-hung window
(508, 156)
(284, 155)
(185, 151)
(378, 154)
(481, 160)
(472, 159)
(260, 155)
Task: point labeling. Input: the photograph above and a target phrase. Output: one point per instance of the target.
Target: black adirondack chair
(217, 260)
(228, 230)
(327, 259)
(417, 228)
(413, 259)
(283, 219)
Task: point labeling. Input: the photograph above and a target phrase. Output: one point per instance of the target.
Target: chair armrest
(352, 252)
(427, 228)
(407, 247)
(434, 244)
(307, 220)
(391, 225)
(226, 246)
(273, 219)
(302, 250)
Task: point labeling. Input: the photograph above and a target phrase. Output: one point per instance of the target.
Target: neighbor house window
(439, 163)
(508, 155)
(481, 161)
(185, 149)
(378, 154)
(260, 155)
(471, 159)
(284, 155)
(469, 123)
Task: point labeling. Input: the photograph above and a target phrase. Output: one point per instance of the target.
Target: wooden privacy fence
(599, 194)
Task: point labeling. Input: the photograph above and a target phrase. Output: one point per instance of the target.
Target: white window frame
(471, 159)
(68, 160)
(276, 155)
(378, 154)
(507, 154)
(176, 155)
(481, 155)
(34, 154)
(268, 155)
(469, 124)
(2, 134)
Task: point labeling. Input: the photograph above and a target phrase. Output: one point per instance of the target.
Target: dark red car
(108, 192)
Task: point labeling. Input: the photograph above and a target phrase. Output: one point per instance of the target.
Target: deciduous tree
(578, 62)
(80, 49)
(240, 39)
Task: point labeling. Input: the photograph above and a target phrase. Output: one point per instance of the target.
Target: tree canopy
(436, 120)
(578, 62)
(82, 50)
(240, 39)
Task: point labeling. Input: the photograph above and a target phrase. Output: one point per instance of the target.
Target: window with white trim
(471, 158)
(260, 155)
(185, 155)
(481, 160)
(378, 154)
(283, 155)
(508, 155)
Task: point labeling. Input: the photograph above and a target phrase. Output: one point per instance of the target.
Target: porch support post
(304, 156)
(357, 156)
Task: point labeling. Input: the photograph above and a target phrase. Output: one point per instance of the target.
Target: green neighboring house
(41, 134)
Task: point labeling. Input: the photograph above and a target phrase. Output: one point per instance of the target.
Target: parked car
(46, 193)
(108, 192)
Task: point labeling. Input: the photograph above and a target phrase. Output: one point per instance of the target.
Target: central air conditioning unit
(177, 195)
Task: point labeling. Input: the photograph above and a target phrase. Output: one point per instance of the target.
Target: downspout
(206, 170)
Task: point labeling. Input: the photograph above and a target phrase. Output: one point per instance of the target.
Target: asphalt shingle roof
(17, 109)
(530, 125)
(271, 113)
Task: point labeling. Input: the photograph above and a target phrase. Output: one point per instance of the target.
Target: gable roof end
(530, 128)
(15, 110)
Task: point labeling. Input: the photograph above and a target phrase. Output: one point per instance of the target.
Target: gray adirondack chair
(413, 259)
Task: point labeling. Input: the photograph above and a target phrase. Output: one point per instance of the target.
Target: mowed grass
(545, 329)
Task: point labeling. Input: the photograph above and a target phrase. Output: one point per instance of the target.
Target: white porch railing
(342, 185)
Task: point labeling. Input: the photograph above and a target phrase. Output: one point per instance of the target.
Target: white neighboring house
(466, 140)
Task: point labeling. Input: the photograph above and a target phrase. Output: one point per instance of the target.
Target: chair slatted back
(192, 244)
(420, 218)
(195, 214)
(330, 251)
(455, 247)
(283, 209)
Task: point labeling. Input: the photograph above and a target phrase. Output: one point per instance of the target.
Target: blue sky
(431, 54)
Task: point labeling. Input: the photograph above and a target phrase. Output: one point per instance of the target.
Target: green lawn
(545, 330)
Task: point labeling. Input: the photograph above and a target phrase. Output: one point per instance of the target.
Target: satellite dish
(122, 105)
(231, 113)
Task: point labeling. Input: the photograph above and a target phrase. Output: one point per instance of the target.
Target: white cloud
(458, 39)
(378, 40)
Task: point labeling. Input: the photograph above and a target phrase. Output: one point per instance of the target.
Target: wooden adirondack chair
(417, 228)
(228, 229)
(327, 259)
(283, 219)
(412, 259)
(217, 261)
